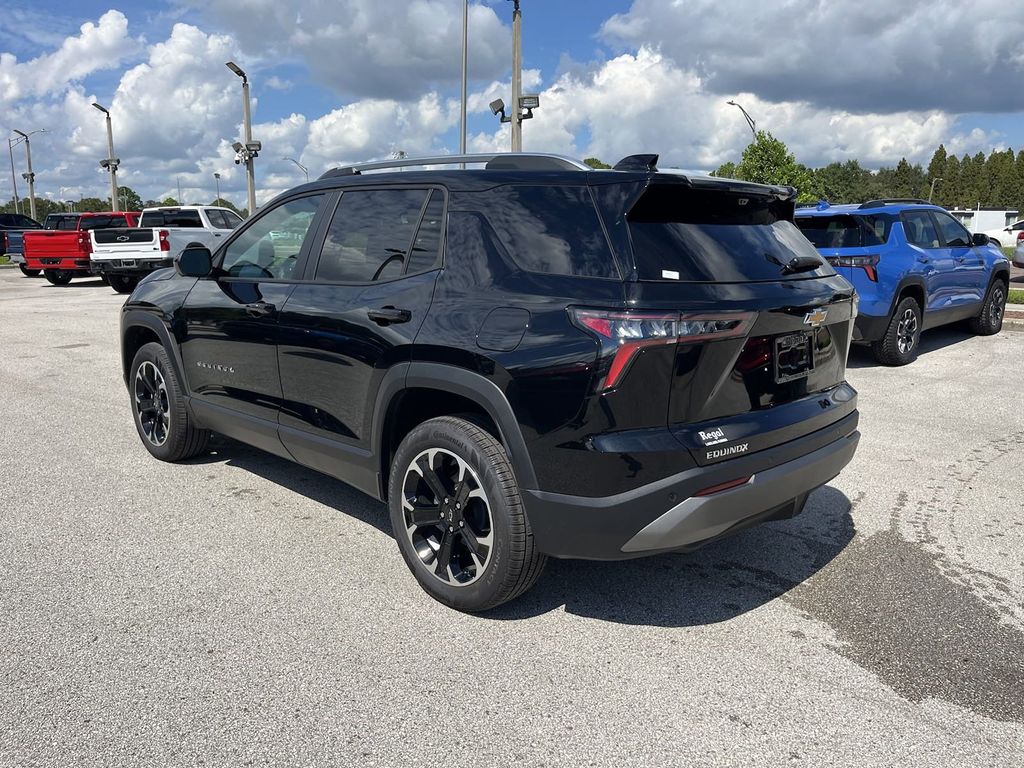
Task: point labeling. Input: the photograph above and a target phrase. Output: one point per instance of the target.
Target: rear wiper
(801, 264)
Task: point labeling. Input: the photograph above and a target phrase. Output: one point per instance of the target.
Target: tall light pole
(14, 180)
(932, 192)
(302, 168)
(750, 120)
(111, 162)
(251, 148)
(30, 177)
(517, 75)
(465, 75)
(216, 179)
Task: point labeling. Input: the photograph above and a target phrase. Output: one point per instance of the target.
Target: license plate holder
(794, 356)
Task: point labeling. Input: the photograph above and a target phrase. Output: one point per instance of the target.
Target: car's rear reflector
(724, 486)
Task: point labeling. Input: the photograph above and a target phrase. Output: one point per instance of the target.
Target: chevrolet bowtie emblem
(816, 318)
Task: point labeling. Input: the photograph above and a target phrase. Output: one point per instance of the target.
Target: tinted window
(102, 222)
(17, 220)
(953, 233)
(223, 219)
(172, 219)
(709, 236)
(831, 231)
(370, 235)
(269, 247)
(426, 249)
(919, 229)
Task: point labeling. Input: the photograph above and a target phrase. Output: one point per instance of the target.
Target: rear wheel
(458, 517)
(57, 276)
(28, 272)
(158, 406)
(899, 344)
(990, 320)
(122, 283)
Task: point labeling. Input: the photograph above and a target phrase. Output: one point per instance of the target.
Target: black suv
(524, 360)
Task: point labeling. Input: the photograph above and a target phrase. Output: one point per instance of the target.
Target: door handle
(259, 309)
(923, 258)
(389, 315)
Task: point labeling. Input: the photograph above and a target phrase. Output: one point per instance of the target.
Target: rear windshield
(703, 236)
(102, 222)
(171, 219)
(846, 231)
(61, 222)
(17, 220)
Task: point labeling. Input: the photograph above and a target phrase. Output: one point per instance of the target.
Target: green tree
(88, 204)
(593, 162)
(130, 200)
(169, 201)
(767, 160)
(726, 171)
(222, 203)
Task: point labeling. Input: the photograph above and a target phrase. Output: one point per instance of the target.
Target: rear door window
(920, 229)
(708, 236)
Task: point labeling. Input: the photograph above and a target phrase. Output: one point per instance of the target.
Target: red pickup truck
(64, 253)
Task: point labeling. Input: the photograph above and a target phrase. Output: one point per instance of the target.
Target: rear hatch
(112, 243)
(850, 242)
(754, 326)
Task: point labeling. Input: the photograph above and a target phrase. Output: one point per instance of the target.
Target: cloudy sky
(347, 80)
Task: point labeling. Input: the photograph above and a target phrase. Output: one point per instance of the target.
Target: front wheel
(990, 320)
(899, 344)
(122, 283)
(28, 272)
(57, 276)
(158, 406)
(458, 517)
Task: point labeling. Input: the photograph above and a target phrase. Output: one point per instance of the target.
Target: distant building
(985, 219)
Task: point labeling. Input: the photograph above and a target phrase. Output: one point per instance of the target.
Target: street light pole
(750, 120)
(30, 177)
(216, 179)
(250, 152)
(14, 180)
(517, 74)
(111, 162)
(302, 168)
(465, 75)
(932, 192)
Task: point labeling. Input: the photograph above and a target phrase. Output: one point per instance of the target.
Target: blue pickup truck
(914, 267)
(11, 227)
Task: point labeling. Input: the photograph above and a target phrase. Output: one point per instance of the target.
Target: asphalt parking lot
(240, 610)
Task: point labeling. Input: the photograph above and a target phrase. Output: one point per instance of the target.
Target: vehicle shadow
(94, 283)
(931, 341)
(716, 583)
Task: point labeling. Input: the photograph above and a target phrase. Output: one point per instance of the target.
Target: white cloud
(103, 45)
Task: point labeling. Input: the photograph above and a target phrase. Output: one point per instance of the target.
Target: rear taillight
(165, 242)
(868, 263)
(1020, 237)
(3, 243)
(624, 334)
(84, 243)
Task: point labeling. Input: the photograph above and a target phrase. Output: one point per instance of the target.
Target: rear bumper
(65, 263)
(129, 266)
(669, 515)
(867, 328)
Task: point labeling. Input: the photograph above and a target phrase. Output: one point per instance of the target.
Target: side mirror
(979, 238)
(194, 261)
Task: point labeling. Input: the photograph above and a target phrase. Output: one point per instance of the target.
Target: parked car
(1008, 236)
(1018, 255)
(124, 256)
(63, 253)
(914, 267)
(526, 360)
(11, 227)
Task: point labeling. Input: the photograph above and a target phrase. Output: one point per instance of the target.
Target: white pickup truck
(125, 256)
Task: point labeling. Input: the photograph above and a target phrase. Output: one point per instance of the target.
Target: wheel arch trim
(135, 318)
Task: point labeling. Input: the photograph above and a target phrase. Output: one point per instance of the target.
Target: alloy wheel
(152, 403)
(996, 306)
(447, 517)
(906, 331)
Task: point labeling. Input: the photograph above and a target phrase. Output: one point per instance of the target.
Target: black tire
(103, 278)
(493, 524)
(122, 283)
(902, 337)
(28, 272)
(176, 438)
(990, 320)
(57, 276)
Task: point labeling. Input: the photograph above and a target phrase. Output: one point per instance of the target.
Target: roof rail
(890, 200)
(503, 161)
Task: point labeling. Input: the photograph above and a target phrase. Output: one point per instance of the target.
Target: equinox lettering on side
(215, 367)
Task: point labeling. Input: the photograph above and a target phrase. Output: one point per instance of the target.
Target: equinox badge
(816, 318)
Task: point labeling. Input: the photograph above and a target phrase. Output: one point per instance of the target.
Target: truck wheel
(103, 278)
(121, 283)
(158, 407)
(28, 272)
(57, 276)
(899, 344)
(458, 517)
(990, 320)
